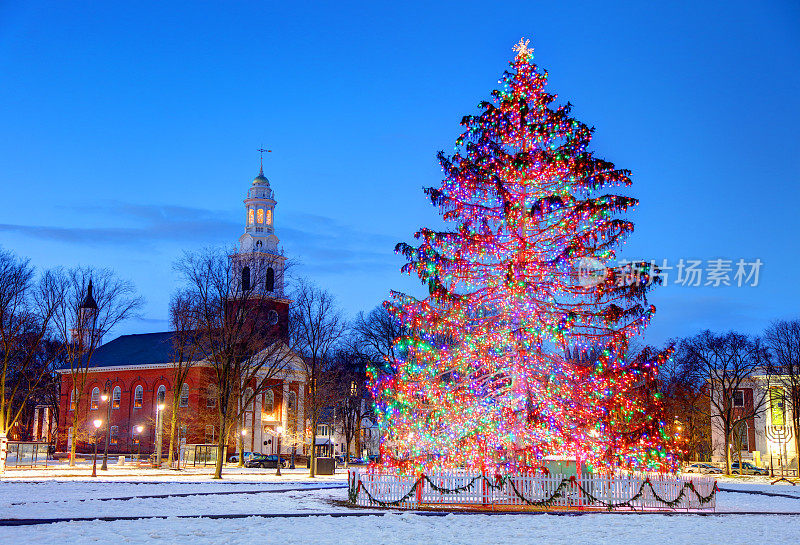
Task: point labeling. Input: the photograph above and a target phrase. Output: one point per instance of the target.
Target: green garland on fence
(354, 489)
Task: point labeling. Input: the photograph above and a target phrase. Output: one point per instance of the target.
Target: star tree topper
(522, 49)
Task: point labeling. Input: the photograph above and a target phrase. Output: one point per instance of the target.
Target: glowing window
(250, 217)
(161, 394)
(269, 217)
(116, 396)
(260, 215)
(138, 394)
(269, 402)
(114, 434)
(95, 398)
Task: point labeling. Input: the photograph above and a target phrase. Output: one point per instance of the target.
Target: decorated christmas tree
(522, 349)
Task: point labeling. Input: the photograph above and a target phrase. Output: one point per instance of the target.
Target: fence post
(420, 486)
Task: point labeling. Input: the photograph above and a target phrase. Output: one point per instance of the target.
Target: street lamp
(279, 429)
(107, 398)
(97, 424)
(139, 430)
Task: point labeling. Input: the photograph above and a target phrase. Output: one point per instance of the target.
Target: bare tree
(732, 365)
(317, 326)
(238, 331)
(353, 402)
(94, 301)
(782, 338)
(27, 308)
(183, 316)
(685, 395)
(375, 334)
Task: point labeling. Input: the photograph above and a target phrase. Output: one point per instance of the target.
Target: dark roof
(144, 349)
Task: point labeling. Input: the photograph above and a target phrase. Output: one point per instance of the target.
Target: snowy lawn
(404, 529)
(80, 497)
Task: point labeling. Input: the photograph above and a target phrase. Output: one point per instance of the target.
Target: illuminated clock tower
(259, 263)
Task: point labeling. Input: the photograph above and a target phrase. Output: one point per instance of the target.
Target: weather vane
(522, 48)
(262, 151)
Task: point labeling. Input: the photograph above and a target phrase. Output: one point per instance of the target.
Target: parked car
(266, 461)
(357, 461)
(702, 468)
(235, 457)
(748, 469)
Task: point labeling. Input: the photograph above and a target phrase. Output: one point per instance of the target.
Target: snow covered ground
(28, 494)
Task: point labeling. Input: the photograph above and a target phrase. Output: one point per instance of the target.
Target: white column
(46, 423)
(36, 424)
(301, 409)
(258, 425)
(285, 412)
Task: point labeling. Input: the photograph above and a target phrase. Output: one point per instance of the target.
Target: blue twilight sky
(129, 132)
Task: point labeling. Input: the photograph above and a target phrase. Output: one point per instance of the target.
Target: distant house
(759, 438)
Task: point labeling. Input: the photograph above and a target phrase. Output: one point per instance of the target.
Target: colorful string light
(511, 358)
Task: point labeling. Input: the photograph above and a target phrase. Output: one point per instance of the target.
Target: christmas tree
(516, 354)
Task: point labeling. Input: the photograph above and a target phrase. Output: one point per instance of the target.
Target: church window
(72, 397)
(95, 398)
(260, 215)
(138, 394)
(248, 400)
(269, 217)
(270, 279)
(161, 394)
(116, 396)
(184, 402)
(269, 402)
(246, 279)
(250, 217)
(114, 435)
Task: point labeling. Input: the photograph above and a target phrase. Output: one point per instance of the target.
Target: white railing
(622, 491)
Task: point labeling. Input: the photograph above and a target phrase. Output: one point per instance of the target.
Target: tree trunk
(312, 466)
(74, 442)
(221, 450)
(172, 423)
(727, 453)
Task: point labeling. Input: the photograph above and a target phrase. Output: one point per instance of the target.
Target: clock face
(272, 317)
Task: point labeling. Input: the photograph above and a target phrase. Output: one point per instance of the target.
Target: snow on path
(405, 529)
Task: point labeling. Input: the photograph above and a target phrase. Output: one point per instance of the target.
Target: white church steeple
(258, 245)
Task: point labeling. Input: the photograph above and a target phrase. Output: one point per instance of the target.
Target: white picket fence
(623, 491)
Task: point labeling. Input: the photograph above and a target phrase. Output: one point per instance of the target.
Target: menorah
(780, 435)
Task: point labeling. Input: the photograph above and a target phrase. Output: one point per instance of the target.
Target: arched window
(95, 401)
(269, 402)
(161, 394)
(246, 279)
(269, 217)
(184, 402)
(250, 217)
(72, 397)
(116, 397)
(248, 399)
(138, 395)
(260, 215)
(211, 396)
(270, 279)
(114, 434)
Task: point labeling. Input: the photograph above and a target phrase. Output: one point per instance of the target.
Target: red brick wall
(127, 417)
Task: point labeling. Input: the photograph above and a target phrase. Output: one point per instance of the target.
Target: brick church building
(134, 372)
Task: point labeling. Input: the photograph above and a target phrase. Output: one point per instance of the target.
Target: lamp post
(279, 429)
(139, 443)
(97, 424)
(107, 398)
(159, 413)
(241, 448)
